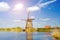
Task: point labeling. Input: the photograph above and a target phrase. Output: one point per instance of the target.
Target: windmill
(29, 27)
(29, 22)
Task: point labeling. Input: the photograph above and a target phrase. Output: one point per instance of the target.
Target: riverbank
(18, 29)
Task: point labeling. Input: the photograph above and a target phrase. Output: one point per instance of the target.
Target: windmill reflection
(29, 36)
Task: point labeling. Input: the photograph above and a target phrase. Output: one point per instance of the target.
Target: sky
(45, 12)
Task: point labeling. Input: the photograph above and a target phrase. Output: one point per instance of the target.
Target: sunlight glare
(18, 6)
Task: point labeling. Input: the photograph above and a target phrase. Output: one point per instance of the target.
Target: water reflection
(29, 36)
(25, 36)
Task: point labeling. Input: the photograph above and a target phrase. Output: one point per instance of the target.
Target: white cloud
(18, 6)
(34, 8)
(39, 22)
(44, 19)
(46, 3)
(16, 20)
(39, 5)
(32, 17)
(4, 6)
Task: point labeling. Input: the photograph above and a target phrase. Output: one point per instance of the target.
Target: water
(22, 36)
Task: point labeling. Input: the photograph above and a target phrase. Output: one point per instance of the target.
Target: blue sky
(46, 15)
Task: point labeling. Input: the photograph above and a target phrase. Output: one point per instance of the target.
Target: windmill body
(29, 25)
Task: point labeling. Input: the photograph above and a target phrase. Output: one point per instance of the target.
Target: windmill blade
(33, 19)
(23, 19)
(27, 19)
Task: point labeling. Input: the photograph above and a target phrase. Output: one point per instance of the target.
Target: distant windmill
(29, 22)
(29, 26)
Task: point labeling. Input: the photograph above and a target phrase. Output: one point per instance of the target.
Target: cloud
(32, 17)
(34, 8)
(46, 3)
(18, 6)
(39, 5)
(16, 20)
(4, 6)
(39, 23)
(44, 19)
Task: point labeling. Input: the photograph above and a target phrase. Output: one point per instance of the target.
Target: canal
(25, 36)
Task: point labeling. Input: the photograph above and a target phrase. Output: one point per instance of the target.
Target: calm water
(22, 36)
